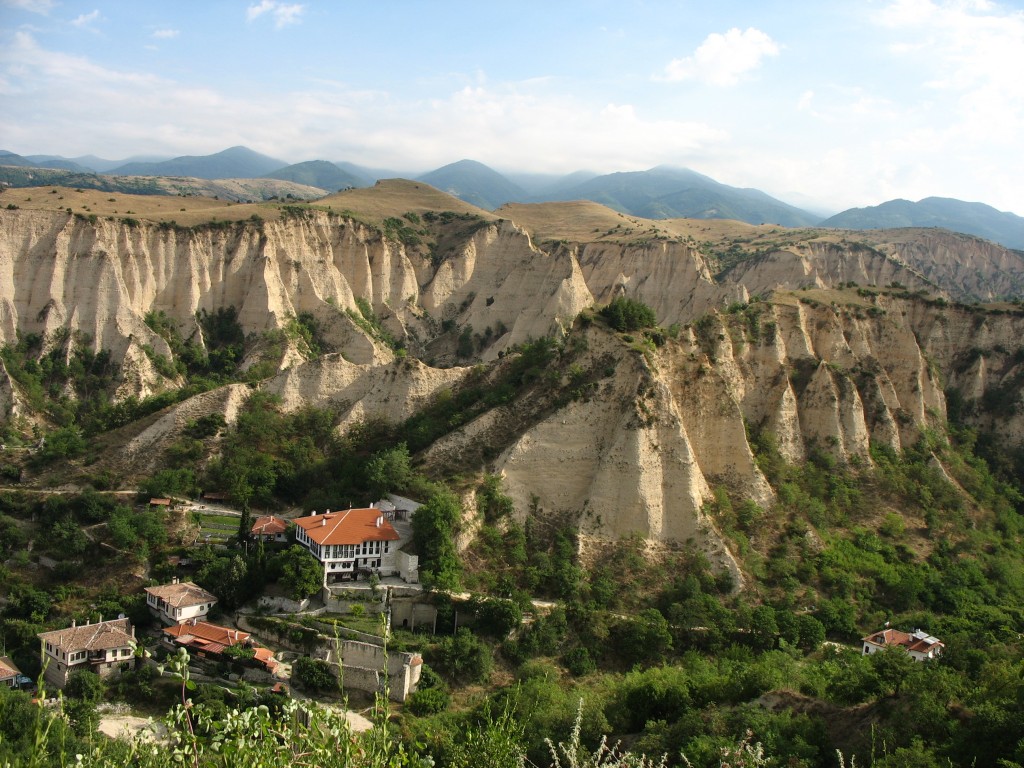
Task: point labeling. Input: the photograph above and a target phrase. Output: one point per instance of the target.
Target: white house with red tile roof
(919, 644)
(270, 528)
(103, 648)
(179, 602)
(350, 542)
(205, 639)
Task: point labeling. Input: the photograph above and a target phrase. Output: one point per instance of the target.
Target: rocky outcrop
(823, 264)
(967, 267)
(641, 454)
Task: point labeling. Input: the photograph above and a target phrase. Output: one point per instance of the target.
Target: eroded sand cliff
(640, 453)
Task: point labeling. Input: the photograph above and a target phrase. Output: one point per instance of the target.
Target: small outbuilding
(919, 644)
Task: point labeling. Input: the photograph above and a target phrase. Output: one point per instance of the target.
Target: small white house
(104, 648)
(270, 528)
(919, 644)
(178, 602)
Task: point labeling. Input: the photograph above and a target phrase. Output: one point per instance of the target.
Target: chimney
(174, 580)
(379, 518)
(314, 513)
(327, 512)
(323, 521)
(73, 623)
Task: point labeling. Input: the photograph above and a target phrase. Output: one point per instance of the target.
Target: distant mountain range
(678, 193)
(233, 163)
(319, 173)
(970, 218)
(41, 161)
(659, 193)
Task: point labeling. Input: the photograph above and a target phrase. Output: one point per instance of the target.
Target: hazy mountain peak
(976, 219)
(234, 162)
(474, 182)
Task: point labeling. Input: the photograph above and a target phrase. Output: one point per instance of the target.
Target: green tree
(63, 443)
(428, 701)
(227, 577)
(389, 470)
(495, 616)
(628, 314)
(301, 574)
(434, 526)
(314, 674)
(85, 685)
(169, 482)
(68, 538)
(810, 631)
(244, 525)
(763, 628)
(464, 657)
(645, 637)
(892, 666)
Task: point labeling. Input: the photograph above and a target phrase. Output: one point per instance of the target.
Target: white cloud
(166, 34)
(723, 59)
(33, 6)
(283, 13)
(517, 125)
(86, 18)
(971, 54)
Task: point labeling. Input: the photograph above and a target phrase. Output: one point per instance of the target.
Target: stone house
(105, 648)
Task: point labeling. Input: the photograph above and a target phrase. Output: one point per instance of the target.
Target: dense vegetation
(661, 648)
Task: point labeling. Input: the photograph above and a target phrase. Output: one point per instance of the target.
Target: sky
(826, 104)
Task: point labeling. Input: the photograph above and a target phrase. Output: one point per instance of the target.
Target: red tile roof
(212, 638)
(205, 633)
(918, 641)
(351, 526)
(266, 657)
(159, 502)
(268, 525)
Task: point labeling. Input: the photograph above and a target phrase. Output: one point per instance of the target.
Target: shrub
(314, 674)
(426, 702)
(628, 315)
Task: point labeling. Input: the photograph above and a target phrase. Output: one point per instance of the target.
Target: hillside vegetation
(680, 472)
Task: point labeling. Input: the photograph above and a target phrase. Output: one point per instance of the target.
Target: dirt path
(130, 726)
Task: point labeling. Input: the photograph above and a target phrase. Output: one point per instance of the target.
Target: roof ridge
(338, 522)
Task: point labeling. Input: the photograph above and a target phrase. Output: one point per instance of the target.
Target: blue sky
(827, 104)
